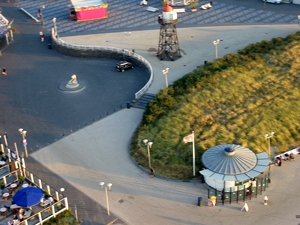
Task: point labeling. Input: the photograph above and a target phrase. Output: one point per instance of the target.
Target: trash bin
(200, 201)
(128, 105)
(49, 46)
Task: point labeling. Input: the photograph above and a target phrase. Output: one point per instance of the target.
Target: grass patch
(233, 100)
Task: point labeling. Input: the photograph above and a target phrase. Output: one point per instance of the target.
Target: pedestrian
(152, 172)
(280, 160)
(42, 36)
(4, 71)
(223, 196)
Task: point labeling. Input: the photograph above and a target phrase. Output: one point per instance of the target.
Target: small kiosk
(83, 10)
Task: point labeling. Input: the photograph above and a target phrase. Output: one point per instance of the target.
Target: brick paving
(129, 14)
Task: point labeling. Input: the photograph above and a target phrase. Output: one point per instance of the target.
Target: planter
(194, 10)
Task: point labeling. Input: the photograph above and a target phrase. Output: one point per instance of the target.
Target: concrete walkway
(100, 152)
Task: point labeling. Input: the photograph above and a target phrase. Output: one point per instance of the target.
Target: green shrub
(53, 220)
(236, 99)
(66, 221)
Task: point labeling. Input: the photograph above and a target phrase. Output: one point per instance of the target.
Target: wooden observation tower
(168, 45)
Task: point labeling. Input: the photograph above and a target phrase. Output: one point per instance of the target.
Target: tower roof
(167, 8)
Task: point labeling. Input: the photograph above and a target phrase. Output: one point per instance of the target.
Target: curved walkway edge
(90, 51)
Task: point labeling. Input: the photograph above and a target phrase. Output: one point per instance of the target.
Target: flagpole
(194, 153)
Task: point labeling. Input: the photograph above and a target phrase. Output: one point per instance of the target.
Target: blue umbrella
(28, 197)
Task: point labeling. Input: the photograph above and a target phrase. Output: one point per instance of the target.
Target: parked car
(274, 1)
(124, 65)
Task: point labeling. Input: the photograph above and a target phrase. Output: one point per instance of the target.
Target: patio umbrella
(28, 197)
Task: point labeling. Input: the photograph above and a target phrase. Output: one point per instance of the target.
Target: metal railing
(241, 192)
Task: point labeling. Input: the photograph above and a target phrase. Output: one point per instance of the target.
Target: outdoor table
(5, 195)
(3, 210)
(2, 163)
(14, 206)
(24, 185)
(13, 185)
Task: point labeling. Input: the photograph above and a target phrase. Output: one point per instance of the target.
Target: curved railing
(91, 51)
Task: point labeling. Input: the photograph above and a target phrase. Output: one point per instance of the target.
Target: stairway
(143, 101)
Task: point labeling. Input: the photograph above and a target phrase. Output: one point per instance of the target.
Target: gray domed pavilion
(226, 164)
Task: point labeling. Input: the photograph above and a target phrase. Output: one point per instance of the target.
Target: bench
(294, 151)
(152, 9)
(181, 10)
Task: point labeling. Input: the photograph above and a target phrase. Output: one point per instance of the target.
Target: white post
(194, 157)
(48, 189)
(12, 35)
(149, 155)
(53, 210)
(57, 195)
(5, 140)
(108, 213)
(216, 44)
(66, 203)
(7, 39)
(23, 163)
(31, 178)
(9, 155)
(40, 184)
(40, 217)
(165, 72)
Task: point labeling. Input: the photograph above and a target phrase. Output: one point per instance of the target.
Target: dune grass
(233, 100)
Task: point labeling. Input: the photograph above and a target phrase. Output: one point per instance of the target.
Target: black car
(124, 65)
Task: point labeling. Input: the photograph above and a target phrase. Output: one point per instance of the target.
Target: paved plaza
(100, 152)
(130, 15)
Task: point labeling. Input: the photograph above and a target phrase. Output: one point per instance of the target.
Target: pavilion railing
(241, 192)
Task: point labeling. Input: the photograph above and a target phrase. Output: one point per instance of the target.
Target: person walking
(152, 172)
(42, 36)
(4, 71)
(280, 160)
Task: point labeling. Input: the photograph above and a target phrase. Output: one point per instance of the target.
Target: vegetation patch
(233, 100)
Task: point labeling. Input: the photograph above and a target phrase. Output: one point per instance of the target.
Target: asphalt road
(31, 99)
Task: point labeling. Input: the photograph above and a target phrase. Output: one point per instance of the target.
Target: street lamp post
(24, 141)
(165, 72)
(42, 15)
(106, 194)
(268, 137)
(149, 145)
(55, 27)
(216, 44)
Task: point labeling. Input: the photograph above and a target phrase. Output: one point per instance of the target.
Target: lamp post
(149, 145)
(216, 44)
(42, 15)
(106, 194)
(24, 141)
(268, 137)
(165, 72)
(55, 27)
